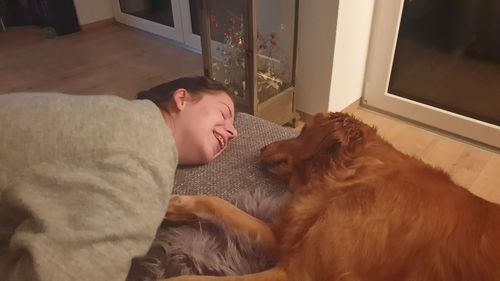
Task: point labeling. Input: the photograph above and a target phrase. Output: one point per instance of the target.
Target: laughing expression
(205, 128)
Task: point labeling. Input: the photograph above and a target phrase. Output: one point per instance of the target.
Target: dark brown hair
(195, 85)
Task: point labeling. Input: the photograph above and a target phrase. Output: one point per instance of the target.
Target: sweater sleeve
(86, 188)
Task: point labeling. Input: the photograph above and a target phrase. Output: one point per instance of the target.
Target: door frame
(385, 27)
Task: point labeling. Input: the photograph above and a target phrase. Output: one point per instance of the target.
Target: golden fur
(362, 210)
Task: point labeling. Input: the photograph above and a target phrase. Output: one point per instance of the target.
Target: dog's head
(324, 143)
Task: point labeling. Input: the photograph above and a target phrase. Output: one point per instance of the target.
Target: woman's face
(202, 128)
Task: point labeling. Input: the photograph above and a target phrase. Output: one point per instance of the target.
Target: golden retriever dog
(361, 210)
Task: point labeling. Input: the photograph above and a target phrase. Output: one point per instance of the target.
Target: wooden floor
(121, 61)
(114, 60)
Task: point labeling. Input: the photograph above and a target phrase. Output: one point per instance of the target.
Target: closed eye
(227, 111)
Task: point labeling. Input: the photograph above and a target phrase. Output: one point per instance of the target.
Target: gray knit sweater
(84, 184)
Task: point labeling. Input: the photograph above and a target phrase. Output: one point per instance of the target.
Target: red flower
(213, 21)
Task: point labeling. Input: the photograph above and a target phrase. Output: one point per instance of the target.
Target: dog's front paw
(180, 209)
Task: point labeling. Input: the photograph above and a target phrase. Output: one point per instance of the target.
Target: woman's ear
(181, 97)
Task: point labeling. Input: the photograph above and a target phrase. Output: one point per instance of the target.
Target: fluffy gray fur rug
(207, 247)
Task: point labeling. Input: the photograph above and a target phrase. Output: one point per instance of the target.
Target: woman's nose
(231, 131)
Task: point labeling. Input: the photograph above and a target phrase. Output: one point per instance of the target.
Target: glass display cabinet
(250, 46)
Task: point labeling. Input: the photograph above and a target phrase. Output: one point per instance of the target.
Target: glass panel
(228, 34)
(159, 11)
(194, 9)
(448, 56)
(275, 43)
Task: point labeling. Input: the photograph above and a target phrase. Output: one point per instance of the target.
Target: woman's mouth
(220, 138)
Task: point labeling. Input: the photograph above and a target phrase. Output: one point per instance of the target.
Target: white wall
(351, 49)
(89, 11)
(331, 59)
(316, 41)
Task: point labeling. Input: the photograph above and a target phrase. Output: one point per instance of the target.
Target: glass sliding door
(159, 11)
(438, 62)
(173, 19)
(161, 17)
(194, 15)
(448, 56)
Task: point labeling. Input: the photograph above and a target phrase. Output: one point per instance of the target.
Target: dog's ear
(331, 134)
(330, 139)
(318, 145)
(327, 143)
(345, 129)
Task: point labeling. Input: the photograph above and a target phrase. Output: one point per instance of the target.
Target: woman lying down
(85, 180)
